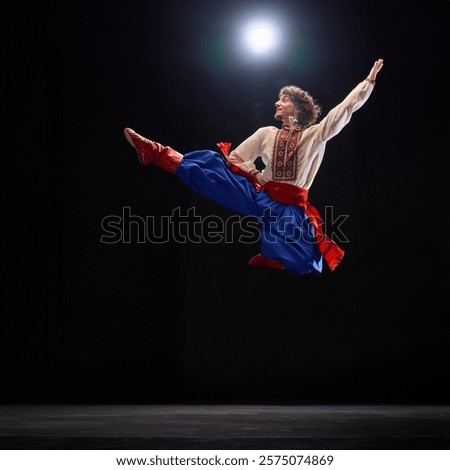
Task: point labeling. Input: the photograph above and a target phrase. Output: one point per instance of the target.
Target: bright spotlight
(261, 36)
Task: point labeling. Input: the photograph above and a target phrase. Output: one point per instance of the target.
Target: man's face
(284, 108)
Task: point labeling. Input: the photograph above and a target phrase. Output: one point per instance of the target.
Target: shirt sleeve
(340, 115)
(247, 152)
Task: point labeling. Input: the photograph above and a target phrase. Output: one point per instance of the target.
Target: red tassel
(224, 147)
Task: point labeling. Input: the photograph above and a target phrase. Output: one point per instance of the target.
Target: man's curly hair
(308, 110)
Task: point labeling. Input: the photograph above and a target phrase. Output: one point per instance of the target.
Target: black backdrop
(88, 321)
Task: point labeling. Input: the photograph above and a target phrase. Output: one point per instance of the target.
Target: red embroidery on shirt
(284, 162)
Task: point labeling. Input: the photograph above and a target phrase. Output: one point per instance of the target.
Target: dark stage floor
(224, 427)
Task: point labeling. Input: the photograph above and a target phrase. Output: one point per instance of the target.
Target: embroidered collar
(293, 125)
(288, 127)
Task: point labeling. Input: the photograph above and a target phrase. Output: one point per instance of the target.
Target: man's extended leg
(206, 173)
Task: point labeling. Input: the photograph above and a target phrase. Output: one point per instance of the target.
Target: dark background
(86, 321)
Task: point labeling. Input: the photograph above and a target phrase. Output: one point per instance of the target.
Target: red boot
(153, 153)
(261, 261)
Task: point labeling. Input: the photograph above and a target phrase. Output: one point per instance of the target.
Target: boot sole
(128, 137)
(130, 140)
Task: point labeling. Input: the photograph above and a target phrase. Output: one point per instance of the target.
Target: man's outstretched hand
(377, 66)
